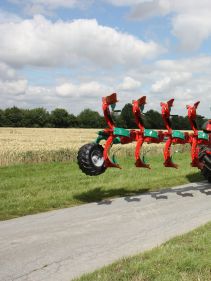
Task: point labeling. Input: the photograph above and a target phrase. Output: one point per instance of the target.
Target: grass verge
(185, 258)
(32, 188)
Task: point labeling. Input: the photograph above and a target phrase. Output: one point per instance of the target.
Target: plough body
(94, 160)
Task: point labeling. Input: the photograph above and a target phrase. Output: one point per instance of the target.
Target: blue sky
(70, 53)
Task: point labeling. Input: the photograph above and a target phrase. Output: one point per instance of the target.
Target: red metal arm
(107, 101)
(137, 110)
(108, 145)
(138, 106)
(194, 137)
(192, 116)
(165, 111)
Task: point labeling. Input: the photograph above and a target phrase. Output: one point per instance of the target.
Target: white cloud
(89, 89)
(66, 90)
(6, 72)
(11, 88)
(192, 29)
(196, 64)
(129, 84)
(170, 81)
(191, 20)
(41, 42)
(8, 17)
(10, 83)
(186, 80)
(74, 98)
(187, 16)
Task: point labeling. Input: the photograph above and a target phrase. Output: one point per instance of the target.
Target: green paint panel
(121, 132)
(101, 136)
(203, 136)
(117, 140)
(151, 133)
(178, 135)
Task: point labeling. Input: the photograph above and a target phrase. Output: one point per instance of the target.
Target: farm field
(29, 145)
(35, 145)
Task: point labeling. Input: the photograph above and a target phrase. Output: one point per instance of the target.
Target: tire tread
(84, 160)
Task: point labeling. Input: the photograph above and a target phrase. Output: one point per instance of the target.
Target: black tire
(202, 152)
(90, 159)
(206, 159)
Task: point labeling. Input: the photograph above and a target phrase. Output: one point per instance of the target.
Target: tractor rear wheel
(90, 159)
(206, 159)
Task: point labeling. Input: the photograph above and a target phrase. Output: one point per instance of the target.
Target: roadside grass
(184, 258)
(27, 189)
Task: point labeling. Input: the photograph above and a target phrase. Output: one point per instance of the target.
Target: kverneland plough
(93, 158)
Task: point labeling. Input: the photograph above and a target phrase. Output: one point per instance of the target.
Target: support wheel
(206, 159)
(90, 159)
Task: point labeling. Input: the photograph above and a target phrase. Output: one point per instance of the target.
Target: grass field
(25, 145)
(32, 188)
(185, 258)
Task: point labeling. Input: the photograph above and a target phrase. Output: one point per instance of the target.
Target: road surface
(63, 244)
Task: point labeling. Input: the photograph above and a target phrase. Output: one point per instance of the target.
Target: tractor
(93, 158)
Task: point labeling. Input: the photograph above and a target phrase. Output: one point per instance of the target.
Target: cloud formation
(41, 42)
(90, 89)
(191, 20)
(185, 15)
(83, 60)
(129, 84)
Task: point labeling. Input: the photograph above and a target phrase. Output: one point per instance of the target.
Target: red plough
(93, 158)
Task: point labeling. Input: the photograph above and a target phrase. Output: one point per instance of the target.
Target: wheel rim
(97, 158)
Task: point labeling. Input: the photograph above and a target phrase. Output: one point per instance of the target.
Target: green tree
(153, 120)
(127, 116)
(14, 117)
(119, 122)
(90, 119)
(73, 121)
(2, 118)
(180, 123)
(200, 122)
(60, 118)
(37, 117)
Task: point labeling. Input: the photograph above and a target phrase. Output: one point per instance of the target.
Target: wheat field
(34, 145)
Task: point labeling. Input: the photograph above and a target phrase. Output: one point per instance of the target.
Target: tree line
(61, 118)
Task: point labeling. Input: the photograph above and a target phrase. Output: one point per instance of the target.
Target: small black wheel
(90, 159)
(202, 152)
(206, 159)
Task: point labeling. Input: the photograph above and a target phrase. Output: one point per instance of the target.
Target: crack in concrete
(39, 269)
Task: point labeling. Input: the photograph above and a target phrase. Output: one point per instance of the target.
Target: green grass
(185, 258)
(32, 188)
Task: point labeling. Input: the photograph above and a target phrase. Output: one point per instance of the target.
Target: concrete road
(60, 245)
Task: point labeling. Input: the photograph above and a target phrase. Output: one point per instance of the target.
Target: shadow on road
(194, 177)
(103, 196)
(99, 194)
